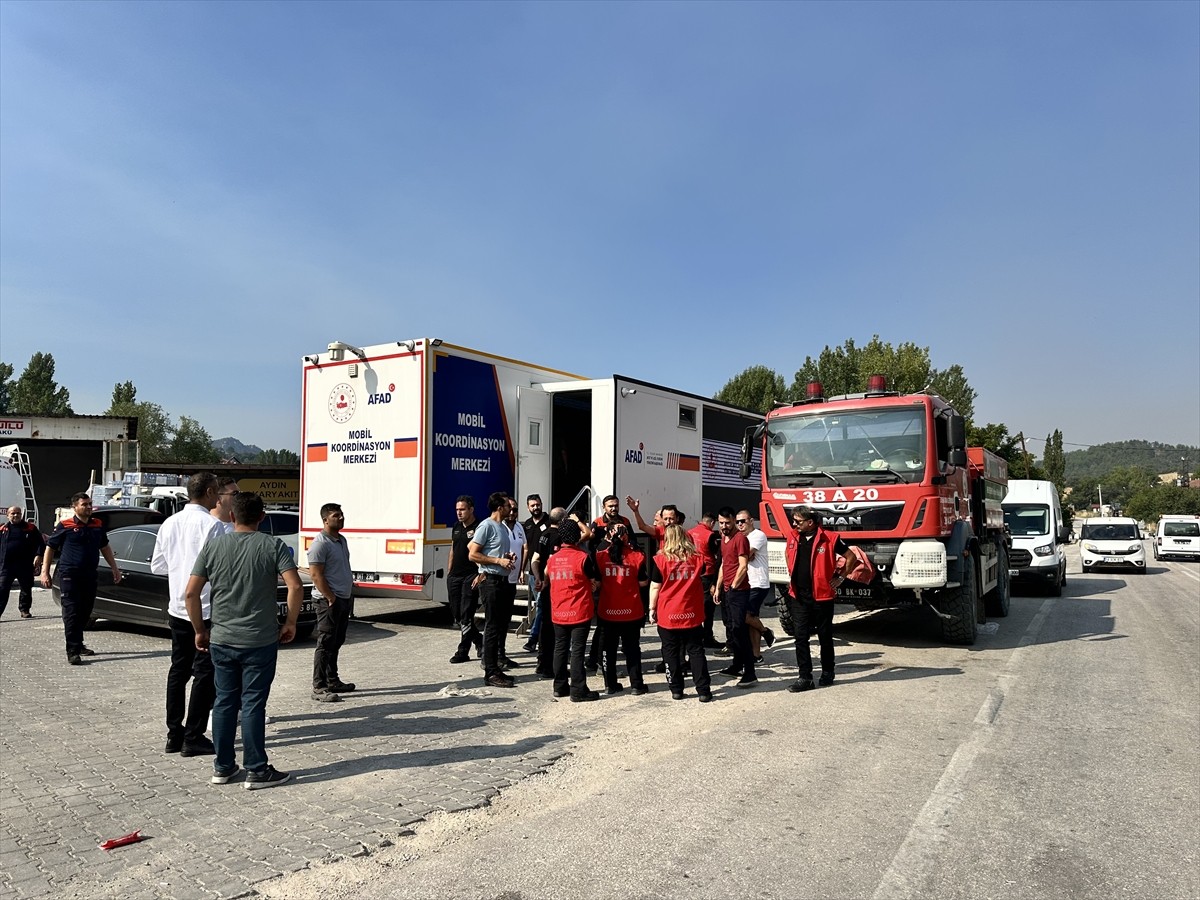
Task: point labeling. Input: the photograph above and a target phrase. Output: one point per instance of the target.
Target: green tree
(190, 443)
(845, 370)
(997, 439)
(154, 425)
(1152, 503)
(1117, 488)
(756, 388)
(1053, 460)
(36, 393)
(277, 458)
(6, 385)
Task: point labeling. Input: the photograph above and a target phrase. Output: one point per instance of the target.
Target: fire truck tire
(997, 601)
(785, 613)
(960, 605)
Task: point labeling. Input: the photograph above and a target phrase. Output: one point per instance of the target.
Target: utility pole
(1025, 456)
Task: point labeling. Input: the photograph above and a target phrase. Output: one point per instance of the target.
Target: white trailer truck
(396, 432)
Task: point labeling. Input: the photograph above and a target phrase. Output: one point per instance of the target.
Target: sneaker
(325, 696)
(86, 651)
(706, 698)
(614, 688)
(746, 681)
(506, 663)
(529, 647)
(268, 778)
(224, 776)
(640, 689)
(460, 657)
(723, 650)
(74, 660)
(758, 660)
(804, 684)
(676, 695)
(732, 671)
(174, 745)
(826, 679)
(201, 747)
(26, 614)
(342, 687)
(499, 681)
(768, 637)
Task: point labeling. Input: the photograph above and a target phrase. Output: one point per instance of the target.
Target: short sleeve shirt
(731, 549)
(243, 569)
(460, 536)
(78, 544)
(492, 538)
(759, 568)
(334, 555)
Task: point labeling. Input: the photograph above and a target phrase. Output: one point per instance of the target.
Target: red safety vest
(824, 562)
(681, 595)
(620, 595)
(701, 535)
(570, 589)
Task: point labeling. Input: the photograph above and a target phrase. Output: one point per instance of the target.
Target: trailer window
(687, 416)
(535, 433)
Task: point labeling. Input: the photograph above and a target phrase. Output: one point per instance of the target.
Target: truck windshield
(854, 447)
(1026, 520)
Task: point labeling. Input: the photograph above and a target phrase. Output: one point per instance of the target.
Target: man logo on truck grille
(341, 403)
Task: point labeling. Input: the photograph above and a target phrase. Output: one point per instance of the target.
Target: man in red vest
(818, 561)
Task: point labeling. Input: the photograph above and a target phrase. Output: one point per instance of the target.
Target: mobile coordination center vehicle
(396, 432)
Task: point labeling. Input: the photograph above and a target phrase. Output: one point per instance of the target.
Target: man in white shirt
(759, 573)
(180, 538)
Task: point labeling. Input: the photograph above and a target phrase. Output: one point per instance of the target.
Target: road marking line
(918, 853)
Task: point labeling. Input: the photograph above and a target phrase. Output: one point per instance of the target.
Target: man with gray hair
(21, 543)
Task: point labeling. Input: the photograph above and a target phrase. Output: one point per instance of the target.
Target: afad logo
(385, 397)
(635, 456)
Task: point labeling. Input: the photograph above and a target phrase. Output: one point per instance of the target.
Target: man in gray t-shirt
(329, 564)
(490, 550)
(244, 568)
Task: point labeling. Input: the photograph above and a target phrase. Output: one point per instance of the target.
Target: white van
(1178, 536)
(1112, 542)
(1034, 519)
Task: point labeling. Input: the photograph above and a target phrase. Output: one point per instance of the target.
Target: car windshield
(1024, 520)
(1110, 531)
(1181, 529)
(885, 443)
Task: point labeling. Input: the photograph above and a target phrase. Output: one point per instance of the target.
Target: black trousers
(595, 656)
(464, 600)
(546, 639)
(570, 644)
(77, 589)
(808, 615)
(679, 644)
(497, 594)
(710, 608)
(187, 663)
(332, 621)
(629, 636)
(23, 576)
(737, 604)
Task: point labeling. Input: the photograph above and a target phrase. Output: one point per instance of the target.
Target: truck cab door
(534, 460)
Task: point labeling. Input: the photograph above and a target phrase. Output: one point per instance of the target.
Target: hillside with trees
(1099, 460)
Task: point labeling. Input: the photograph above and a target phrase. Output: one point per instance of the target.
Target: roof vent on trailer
(814, 392)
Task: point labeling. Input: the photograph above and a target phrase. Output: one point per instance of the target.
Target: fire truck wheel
(997, 601)
(960, 605)
(785, 616)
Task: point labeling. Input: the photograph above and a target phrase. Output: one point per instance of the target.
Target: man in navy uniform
(79, 541)
(21, 543)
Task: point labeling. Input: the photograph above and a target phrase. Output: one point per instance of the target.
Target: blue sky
(195, 195)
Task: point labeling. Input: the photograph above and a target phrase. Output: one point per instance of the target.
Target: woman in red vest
(622, 571)
(571, 574)
(677, 605)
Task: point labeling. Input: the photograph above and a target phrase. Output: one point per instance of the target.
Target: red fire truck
(892, 474)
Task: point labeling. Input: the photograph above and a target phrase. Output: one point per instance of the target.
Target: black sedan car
(142, 597)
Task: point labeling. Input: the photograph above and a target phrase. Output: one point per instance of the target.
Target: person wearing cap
(572, 577)
(622, 570)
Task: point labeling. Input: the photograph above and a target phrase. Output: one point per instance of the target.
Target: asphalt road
(1058, 757)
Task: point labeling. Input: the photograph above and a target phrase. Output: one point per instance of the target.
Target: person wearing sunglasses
(758, 573)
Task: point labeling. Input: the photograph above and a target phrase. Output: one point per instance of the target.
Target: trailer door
(533, 444)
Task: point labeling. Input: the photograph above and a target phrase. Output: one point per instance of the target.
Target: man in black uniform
(819, 561)
(550, 541)
(21, 543)
(79, 541)
(462, 581)
(535, 526)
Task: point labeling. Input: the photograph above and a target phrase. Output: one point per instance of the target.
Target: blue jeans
(243, 678)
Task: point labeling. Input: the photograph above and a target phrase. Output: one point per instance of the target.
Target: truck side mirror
(957, 457)
(745, 470)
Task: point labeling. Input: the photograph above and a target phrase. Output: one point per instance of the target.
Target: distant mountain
(1100, 459)
(228, 446)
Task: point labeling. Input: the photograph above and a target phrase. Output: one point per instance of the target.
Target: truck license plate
(366, 576)
(854, 592)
